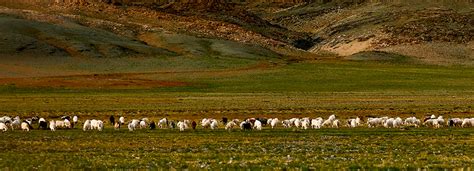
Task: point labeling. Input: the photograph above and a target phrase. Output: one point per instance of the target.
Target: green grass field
(268, 149)
(306, 89)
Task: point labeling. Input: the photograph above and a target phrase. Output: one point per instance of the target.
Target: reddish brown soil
(103, 81)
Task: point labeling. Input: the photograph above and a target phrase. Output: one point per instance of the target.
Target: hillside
(87, 37)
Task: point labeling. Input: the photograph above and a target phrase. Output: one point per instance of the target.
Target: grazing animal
(245, 125)
(181, 125)
(187, 123)
(100, 125)
(274, 122)
(297, 122)
(172, 124)
(3, 127)
(16, 123)
(66, 117)
(117, 125)
(376, 122)
(205, 123)
(287, 123)
(257, 125)
(52, 125)
(455, 122)
(230, 125)
(412, 121)
(163, 123)
(60, 124)
(5, 119)
(131, 127)
(329, 122)
(122, 120)
(87, 125)
(264, 121)
(67, 124)
(467, 122)
(353, 122)
(214, 124)
(152, 125)
(194, 124)
(42, 124)
(225, 120)
(336, 123)
(112, 119)
(316, 123)
(25, 126)
(142, 124)
(75, 120)
(134, 124)
(305, 123)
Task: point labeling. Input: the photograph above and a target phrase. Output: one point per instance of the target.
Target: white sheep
(5, 119)
(316, 123)
(376, 122)
(186, 124)
(230, 125)
(257, 125)
(397, 122)
(297, 122)
(467, 122)
(305, 123)
(25, 126)
(287, 123)
(122, 120)
(274, 122)
(214, 124)
(131, 127)
(117, 125)
(205, 123)
(52, 125)
(16, 123)
(336, 123)
(329, 121)
(100, 125)
(181, 125)
(142, 124)
(60, 124)
(67, 124)
(87, 125)
(455, 122)
(412, 121)
(352, 123)
(163, 123)
(94, 124)
(134, 124)
(3, 127)
(75, 119)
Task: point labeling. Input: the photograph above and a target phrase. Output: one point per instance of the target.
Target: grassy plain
(306, 89)
(280, 149)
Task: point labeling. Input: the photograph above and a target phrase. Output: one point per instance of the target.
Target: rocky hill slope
(436, 32)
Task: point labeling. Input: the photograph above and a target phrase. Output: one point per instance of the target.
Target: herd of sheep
(67, 122)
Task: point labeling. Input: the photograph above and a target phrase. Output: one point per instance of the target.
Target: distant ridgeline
(207, 2)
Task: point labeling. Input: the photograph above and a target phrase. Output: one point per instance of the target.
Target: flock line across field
(68, 122)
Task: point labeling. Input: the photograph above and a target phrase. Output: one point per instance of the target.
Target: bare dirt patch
(104, 81)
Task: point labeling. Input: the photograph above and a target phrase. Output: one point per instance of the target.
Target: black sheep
(247, 126)
(263, 121)
(43, 125)
(194, 124)
(225, 120)
(152, 125)
(112, 119)
(172, 124)
(66, 117)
